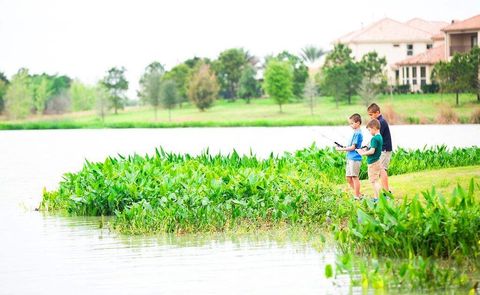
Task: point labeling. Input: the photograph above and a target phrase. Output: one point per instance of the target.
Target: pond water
(41, 254)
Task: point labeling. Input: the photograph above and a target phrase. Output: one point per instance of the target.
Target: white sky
(83, 38)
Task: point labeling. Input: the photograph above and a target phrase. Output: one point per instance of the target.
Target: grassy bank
(444, 181)
(400, 109)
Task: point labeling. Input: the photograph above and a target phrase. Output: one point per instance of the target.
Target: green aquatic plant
(430, 243)
(174, 192)
(433, 227)
(171, 192)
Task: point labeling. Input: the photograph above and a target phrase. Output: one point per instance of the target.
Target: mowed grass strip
(444, 181)
(403, 109)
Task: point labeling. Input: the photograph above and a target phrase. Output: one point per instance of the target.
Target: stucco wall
(391, 53)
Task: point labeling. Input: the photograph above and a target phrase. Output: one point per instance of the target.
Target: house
(459, 36)
(417, 70)
(396, 41)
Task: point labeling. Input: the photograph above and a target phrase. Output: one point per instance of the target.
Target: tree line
(233, 75)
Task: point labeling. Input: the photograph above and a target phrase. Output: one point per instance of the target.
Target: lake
(43, 254)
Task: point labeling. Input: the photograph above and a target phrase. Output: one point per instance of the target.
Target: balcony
(459, 49)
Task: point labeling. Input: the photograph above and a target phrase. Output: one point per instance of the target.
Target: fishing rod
(328, 138)
(339, 145)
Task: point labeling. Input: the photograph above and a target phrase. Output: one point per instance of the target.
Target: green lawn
(409, 108)
(444, 181)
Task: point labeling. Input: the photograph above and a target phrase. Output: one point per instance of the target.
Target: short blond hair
(374, 123)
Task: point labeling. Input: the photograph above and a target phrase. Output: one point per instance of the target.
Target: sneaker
(358, 198)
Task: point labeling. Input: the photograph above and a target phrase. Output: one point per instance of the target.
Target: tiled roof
(472, 23)
(429, 57)
(386, 30)
(432, 27)
(439, 36)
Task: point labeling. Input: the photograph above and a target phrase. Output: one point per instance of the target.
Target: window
(407, 77)
(423, 76)
(396, 45)
(409, 49)
(397, 76)
(414, 75)
(429, 46)
(474, 41)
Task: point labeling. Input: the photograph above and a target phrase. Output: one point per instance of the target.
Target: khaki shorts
(385, 159)
(374, 170)
(353, 168)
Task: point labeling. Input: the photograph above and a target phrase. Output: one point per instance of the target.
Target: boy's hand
(360, 151)
(339, 149)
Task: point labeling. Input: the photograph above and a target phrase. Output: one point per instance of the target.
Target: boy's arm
(346, 149)
(363, 152)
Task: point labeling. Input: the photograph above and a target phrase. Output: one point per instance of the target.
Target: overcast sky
(83, 38)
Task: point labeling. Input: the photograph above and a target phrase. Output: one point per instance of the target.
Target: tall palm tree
(310, 54)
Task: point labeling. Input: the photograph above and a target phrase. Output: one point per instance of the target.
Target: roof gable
(472, 23)
(386, 30)
(432, 27)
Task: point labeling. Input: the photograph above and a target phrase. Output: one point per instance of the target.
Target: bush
(430, 88)
(392, 117)
(475, 117)
(447, 115)
(401, 89)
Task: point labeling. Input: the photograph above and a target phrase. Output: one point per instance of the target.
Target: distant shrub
(392, 117)
(423, 120)
(401, 89)
(59, 104)
(475, 117)
(447, 115)
(430, 88)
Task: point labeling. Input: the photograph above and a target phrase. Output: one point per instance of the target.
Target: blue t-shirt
(357, 139)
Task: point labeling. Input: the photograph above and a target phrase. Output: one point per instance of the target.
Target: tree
(102, 99)
(179, 74)
(367, 91)
(310, 94)
(83, 96)
(116, 84)
(278, 81)
(168, 96)
(42, 91)
(150, 85)
(300, 72)
(335, 82)
(19, 96)
(248, 85)
(229, 67)
(310, 54)
(454, 76)
(203, 87)
(3, 90)
(475, 61)
(59, 84)
(372, 67)
(342, 74)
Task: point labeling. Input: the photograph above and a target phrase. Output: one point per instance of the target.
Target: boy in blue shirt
(354, 159)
